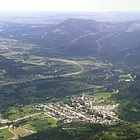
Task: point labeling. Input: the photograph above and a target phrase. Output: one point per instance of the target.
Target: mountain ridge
(76, 36)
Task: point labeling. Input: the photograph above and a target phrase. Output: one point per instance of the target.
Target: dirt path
(27, 132)
(15, 135)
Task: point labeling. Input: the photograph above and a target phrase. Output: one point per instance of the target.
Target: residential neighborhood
(81, 109)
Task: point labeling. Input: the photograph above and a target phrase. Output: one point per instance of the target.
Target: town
(80, 109)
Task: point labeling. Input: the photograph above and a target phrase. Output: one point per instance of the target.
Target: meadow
(5, 134)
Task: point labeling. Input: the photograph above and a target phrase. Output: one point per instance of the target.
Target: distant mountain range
(55, 17)
(82, 37)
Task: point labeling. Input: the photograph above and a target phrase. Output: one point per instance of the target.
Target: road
(78, 114)
(45, 77)
(15, 135)
(4, 127)
(25, 117)
(72, 62)
(7, 48)
(58, 112)
(47, 115)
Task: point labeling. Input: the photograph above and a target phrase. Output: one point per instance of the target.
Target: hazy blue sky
(70, 5)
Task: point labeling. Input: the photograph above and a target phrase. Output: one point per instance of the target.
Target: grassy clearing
(108, 76)
(52, 121)
(109, 136)
(98, 87)
(120, 71)
(112, 136)
(76, 86)
(35, 123)
(5, 134)
(31, 128)
(39, 116)
(39, 124)
(123, 76)
(93, 58)
(86, 63)
(108, 102)
(1, 82)
(18, 112)
(103, 95)
(18, 131)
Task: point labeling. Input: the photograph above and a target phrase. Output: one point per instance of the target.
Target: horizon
(34, 11)
(71, 5)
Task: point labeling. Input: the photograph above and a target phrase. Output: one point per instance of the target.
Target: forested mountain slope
(113, 41)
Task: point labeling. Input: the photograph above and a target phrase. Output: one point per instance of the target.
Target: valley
(77, 79)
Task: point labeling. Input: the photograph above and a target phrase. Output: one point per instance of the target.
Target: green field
(104, 96)
(120, 71)
(35, 123)
(5, 134)
(123, 76)
(19, 112)
(39, 123)
(18, 131)
(52, 121)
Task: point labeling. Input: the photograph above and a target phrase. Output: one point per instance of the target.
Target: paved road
(45, 77)
(72, 62)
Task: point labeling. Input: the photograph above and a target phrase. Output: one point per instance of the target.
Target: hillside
(80, 37)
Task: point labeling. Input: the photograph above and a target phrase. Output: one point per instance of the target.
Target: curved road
(72, 62)
(45, 77)
(15, 135)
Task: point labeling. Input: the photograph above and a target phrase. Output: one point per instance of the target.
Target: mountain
(82, 37)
